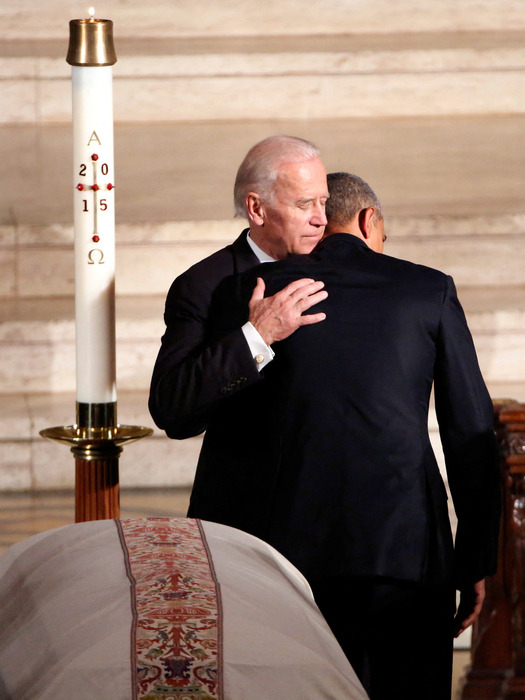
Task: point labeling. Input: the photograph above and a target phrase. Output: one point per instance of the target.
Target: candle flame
(91, 14)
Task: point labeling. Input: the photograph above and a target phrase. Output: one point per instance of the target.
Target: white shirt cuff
(261, 353)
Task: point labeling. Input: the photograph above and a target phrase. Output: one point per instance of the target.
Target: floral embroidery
(176, 636)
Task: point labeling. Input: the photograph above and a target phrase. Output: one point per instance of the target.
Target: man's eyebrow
(305, 200)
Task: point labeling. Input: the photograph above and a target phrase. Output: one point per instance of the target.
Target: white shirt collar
(263, 257)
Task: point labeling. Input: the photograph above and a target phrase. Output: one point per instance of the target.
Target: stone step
(37, 262)
(497, 321)
(30, 462)
(165, 19)
(184, 172)
(37, 339)
(37, 343)
(296, 76)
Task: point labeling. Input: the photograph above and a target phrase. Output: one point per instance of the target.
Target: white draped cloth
(169, 608)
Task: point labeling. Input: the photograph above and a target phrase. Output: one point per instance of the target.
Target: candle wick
(91, 14)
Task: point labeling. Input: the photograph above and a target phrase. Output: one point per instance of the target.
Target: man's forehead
(297, 164)
(304, 176)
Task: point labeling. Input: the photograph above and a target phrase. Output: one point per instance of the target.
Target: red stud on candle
(80, 187)
(94, 156)
(96, 239)
(110, 186)
(95, 187)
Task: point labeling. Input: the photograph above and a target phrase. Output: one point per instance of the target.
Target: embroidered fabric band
(176, 610)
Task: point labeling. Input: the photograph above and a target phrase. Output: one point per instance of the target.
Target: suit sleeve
(196, 368)
(465, 415)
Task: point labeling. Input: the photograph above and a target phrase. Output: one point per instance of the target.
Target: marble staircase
(429, 110)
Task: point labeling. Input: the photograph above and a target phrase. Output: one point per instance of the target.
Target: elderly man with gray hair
(281, 189)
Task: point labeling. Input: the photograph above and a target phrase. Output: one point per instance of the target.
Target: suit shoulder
(415, 271)
(206, 271)
(192, 291)
(205, 275)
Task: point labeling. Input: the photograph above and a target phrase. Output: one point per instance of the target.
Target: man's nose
(319, 215)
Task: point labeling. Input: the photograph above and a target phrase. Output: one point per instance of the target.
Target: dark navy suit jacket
(193, 367)
(329, 458)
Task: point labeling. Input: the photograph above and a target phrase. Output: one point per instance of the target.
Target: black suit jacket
(194, 371)
(329, 458)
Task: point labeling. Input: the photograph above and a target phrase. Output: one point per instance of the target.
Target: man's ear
(255, 208)
(365, 221)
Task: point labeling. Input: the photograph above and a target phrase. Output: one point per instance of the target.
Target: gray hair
(260, 167)
(349, 195)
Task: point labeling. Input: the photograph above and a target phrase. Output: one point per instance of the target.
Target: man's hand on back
(278, 316)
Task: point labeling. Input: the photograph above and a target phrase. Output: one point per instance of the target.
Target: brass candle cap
(91, 43)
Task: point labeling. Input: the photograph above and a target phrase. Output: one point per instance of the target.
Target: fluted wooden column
(97, 490)
(498, 637)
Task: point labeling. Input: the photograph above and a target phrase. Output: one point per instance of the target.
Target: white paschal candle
(94, 214)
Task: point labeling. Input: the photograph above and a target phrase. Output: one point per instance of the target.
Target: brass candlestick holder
(96, 441)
